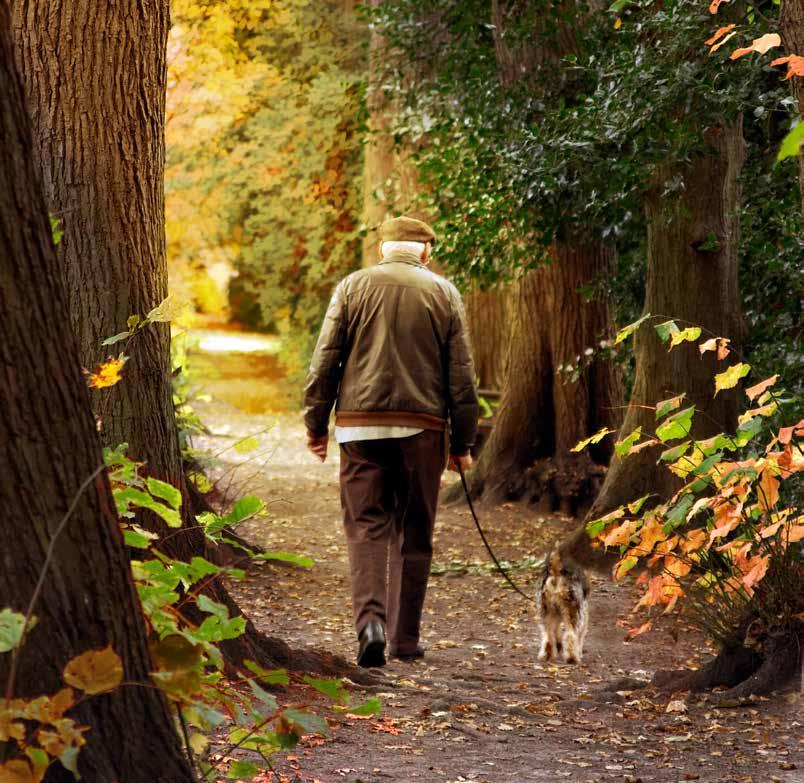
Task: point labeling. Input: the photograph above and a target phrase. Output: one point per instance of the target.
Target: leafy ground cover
(480, 707)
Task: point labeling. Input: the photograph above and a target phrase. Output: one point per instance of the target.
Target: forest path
(479, 707)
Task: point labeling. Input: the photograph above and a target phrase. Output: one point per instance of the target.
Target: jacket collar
(402, 257)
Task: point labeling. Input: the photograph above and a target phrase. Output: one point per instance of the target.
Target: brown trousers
(389, 494)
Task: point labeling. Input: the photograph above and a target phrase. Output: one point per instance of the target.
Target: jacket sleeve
(462, 390)
(326, 366)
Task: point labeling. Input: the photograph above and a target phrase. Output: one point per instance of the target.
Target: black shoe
(372, 645)
(406, 656)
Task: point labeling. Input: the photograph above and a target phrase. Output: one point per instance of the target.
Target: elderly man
(394, 352)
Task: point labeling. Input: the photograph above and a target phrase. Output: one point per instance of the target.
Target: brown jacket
(394, 349)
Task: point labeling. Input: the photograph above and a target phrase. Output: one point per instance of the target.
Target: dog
(562, 600)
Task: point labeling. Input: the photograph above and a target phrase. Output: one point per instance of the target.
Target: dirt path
(480, 707)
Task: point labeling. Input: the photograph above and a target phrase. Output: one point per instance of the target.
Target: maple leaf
(108, 374)
(760, 45)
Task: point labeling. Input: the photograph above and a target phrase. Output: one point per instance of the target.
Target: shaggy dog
(562, 594)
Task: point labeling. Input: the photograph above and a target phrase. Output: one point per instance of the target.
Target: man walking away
(394, 352)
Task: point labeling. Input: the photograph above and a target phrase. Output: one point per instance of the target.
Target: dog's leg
(544, 646)
(570, 620)
(583, 624)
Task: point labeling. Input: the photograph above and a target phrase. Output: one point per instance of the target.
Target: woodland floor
(479, 707)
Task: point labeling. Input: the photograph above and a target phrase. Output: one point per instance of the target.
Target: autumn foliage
(728, 542)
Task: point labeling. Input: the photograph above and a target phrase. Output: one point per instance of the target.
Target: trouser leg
(367, 504)
(417, 482)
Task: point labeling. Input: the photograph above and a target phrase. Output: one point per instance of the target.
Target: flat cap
(406, 229)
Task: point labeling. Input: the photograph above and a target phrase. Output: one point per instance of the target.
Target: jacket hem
(425, 421)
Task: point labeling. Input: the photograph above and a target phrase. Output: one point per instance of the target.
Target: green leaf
(246, 507)
(596, 438)
(69, 760)
(12, 625)
(307, 721)
(206, 604)
(622, 447)
(245, 445)
(287, 557)
(116, 338)
(730, 377)
(671, 455)
(268, 676)
(131, 496)
(627, 331)
(635, 506)
(677, 426)
(690, 334)
(791, 143)
(242, 770)
(717, 443)
(666, 329)
(369, 707)
(263, 696)
(619, 5)
(665, 406)
(333, 688)
(136, 539)
(165, 491)
(748, 430)
(678, 514)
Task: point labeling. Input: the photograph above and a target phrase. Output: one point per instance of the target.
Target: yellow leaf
(95, 671)
(729, 378)
(618, 24)
(108, 373)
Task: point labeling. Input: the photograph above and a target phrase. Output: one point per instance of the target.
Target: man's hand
(318, 445)
(465, 461)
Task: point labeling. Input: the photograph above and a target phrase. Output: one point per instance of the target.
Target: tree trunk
(390, 178)
(489, 314)
(48, 449)
(544, 412)
(791, 27)
(693, 240)
(97, 101)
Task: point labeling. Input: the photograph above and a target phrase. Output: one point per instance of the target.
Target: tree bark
(97, 101)
(544, 413)
(48, 449)
(693, 240)
(489, 315)
(791, 27)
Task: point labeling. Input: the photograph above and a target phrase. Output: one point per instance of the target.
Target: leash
(485, 540)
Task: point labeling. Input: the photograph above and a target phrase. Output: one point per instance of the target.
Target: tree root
(744, 671)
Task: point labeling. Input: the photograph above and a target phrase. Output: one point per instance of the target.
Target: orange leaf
(715, 4)
(794, 63)
(108, 373)
(760, 45)
(95, 671)
(721, 31)
(634, 632)
(758, 569)
(769, 494)
(796, 533)
(621, 534)
(785, 435)
(753, 392)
